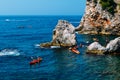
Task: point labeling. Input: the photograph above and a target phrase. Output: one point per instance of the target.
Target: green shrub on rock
(108, 5)
(95, 1)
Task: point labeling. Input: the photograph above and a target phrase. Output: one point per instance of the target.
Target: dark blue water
(18, 38)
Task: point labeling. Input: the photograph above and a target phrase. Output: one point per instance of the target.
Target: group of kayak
(39, 59)
(73, 49)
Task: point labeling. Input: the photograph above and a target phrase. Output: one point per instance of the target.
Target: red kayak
(35, 61)
(75, 51)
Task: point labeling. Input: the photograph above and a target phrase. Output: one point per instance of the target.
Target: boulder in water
(96, 46)
(63, 35)
(113, 45)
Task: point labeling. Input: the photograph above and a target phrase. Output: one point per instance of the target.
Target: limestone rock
(99, 21)
(63, 36)
(113, 45)
(96, 46)
(64, 33)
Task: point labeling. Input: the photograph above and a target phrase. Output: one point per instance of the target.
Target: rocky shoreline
(64, 37)
(113, 47)
(51, 44)
(96, 20)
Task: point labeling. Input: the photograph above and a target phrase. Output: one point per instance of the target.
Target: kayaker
(34, 61)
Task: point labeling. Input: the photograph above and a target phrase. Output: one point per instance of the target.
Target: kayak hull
(75, 51)
(35, 61)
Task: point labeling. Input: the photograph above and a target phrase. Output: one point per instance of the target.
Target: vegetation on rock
(108, 5)
(95, 1)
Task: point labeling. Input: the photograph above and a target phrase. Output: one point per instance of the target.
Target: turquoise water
(19, 36)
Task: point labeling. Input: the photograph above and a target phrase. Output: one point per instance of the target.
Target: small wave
(37, 45)
(14, 20)
(9, 52)
(55, 47)
(7, 20)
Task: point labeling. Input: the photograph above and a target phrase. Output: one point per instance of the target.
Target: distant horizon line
(41, 15)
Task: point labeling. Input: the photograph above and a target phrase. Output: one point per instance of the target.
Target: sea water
(19, 39)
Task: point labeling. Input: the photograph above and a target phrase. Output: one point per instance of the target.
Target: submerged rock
(96, 52)
(63, 35)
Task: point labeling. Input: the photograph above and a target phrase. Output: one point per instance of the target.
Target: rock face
(63, 35)
(118, 5)
(112, 47)
(99, 19)
(96, 46)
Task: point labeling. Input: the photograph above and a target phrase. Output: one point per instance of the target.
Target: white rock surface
(113, 45)
(64, 33)
(96, 46)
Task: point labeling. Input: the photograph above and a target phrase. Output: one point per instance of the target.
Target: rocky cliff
(101, 17)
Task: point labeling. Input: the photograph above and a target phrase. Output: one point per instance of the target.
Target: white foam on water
(7, 20)
(37, 45)
(55, 47)
(14, 20)
(9, 52)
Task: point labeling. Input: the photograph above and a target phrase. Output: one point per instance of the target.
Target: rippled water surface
(19, 36)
